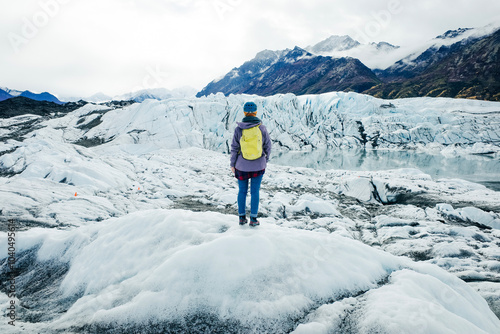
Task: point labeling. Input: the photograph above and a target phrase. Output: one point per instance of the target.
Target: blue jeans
(254, 192)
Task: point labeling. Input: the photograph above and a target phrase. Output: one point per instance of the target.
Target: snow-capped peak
(334, 43)
(373, 55)
(453, 33)
(453, 36)
(12, 92)
(384, 46)
(268, 54)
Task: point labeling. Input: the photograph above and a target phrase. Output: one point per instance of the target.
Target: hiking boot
(254, 221)
(243, 220)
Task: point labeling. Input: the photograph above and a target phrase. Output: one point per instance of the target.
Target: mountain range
(136, 96)
(6, 93)
(462, 63)
(296, 71)
(139, 95)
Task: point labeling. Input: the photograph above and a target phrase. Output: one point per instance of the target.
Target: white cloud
(81, 47)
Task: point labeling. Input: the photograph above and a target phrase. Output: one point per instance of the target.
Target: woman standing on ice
(250, 152)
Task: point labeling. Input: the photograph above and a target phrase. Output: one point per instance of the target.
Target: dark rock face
(20, 105)
(294, 71)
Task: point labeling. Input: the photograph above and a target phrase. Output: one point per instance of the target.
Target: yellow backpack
(251, 143)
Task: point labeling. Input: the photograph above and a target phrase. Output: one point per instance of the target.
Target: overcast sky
(81, 47)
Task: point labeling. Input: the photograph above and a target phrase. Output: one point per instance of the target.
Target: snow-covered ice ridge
(150, 242)
(343, 120)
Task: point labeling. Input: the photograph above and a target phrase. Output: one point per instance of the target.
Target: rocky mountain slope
(296, 71)
(438, 48)
(463, 70)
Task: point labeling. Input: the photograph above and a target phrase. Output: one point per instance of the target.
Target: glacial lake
(484, 169)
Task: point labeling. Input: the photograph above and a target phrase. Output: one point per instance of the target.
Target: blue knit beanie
(250, 108)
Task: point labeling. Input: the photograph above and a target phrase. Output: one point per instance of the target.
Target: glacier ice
(147, 201)
(158, 268)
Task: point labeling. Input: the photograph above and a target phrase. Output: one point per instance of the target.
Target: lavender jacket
(237, 159)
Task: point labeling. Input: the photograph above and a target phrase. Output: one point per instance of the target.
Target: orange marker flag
(75, 194)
